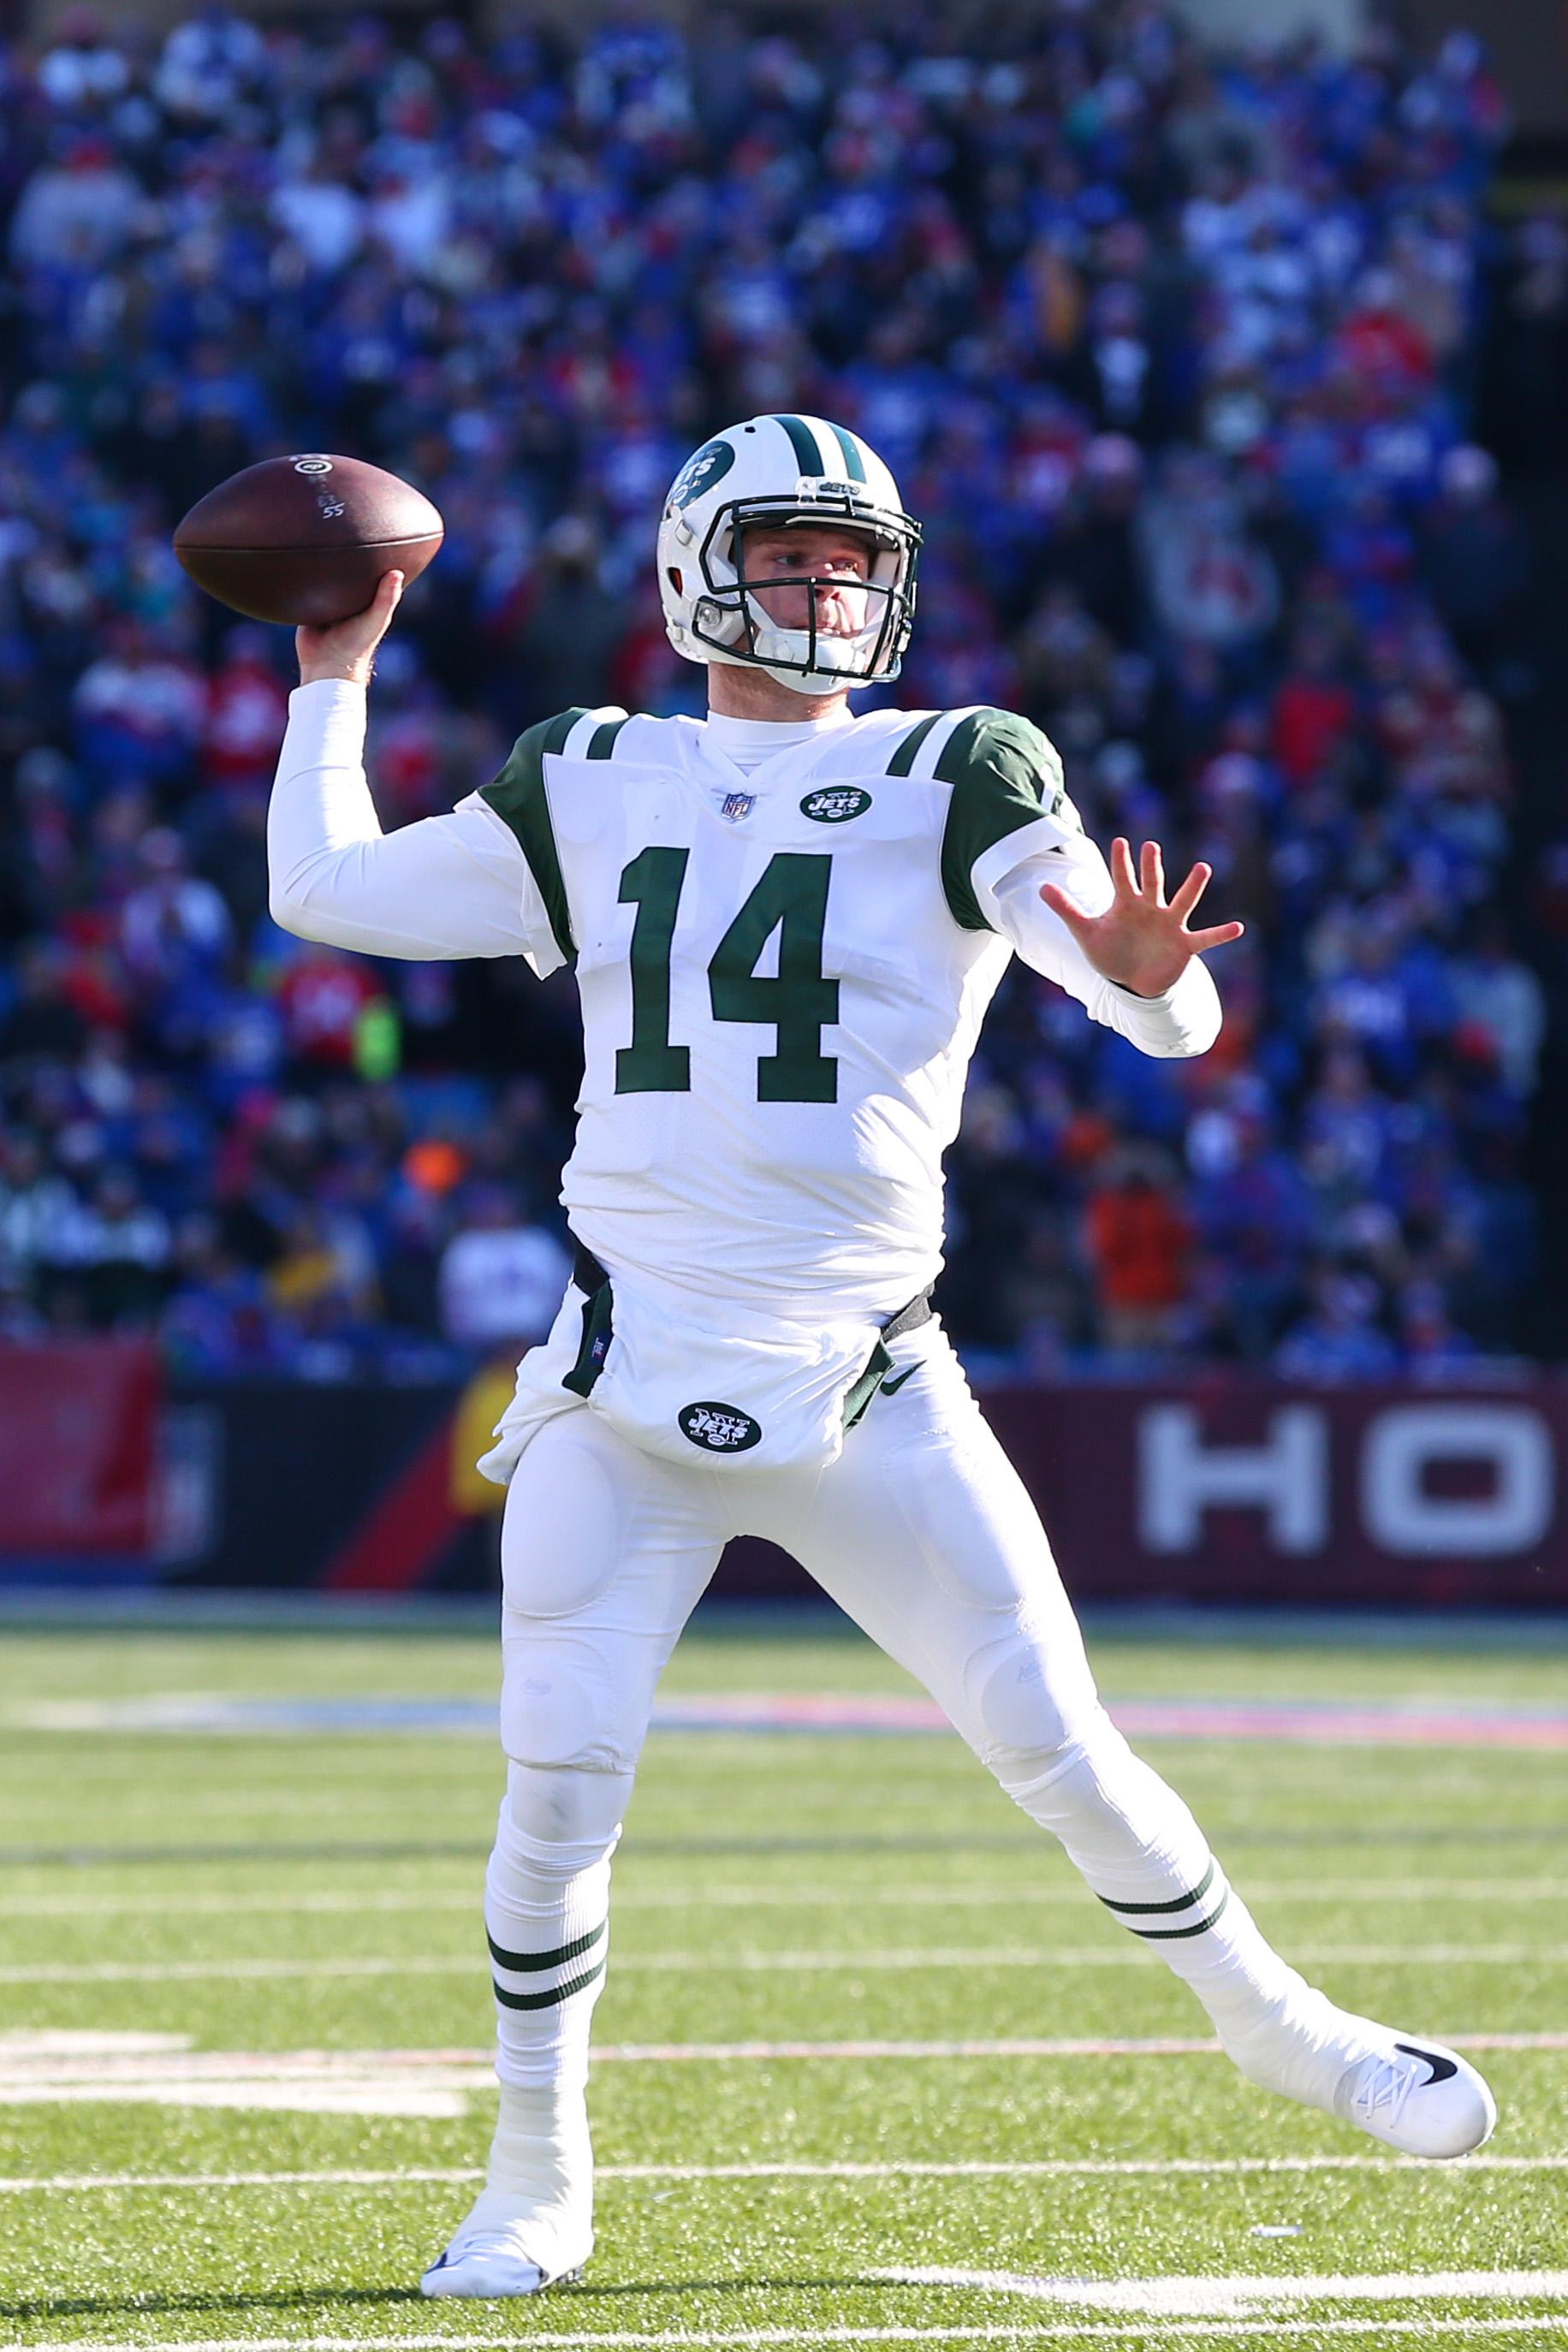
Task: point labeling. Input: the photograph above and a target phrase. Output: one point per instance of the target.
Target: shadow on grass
(105, 2307)
(317, 2298)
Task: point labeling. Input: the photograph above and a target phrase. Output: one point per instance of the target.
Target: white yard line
(753, 1963)
(1042, 2331)
(913, 2168)
(1216, 2296)
(97, 2061)
(1172, 2046)
(698, 1897)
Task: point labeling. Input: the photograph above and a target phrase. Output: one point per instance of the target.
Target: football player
(786, 923)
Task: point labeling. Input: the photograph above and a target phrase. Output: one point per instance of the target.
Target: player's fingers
(361, 631)
(377, 614)
(1187, 898)
(1121, 872)
(376, 619)
(1152, 872)
(1060, 904)
(1218, 936)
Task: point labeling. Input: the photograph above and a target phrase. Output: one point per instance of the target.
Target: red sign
(78, 1425)
(1234, 1486)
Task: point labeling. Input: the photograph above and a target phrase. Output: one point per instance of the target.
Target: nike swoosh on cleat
(1441, 2067)
(889, 1387)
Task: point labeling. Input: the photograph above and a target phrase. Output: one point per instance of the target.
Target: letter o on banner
(1400, 1516)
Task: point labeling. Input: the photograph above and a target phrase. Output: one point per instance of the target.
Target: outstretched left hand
(1140, 941)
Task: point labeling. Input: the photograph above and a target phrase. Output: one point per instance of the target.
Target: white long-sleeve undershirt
(459, 885)
(456, 885)
(1184, 1021)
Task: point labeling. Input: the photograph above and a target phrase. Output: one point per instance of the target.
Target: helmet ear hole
(672, 572)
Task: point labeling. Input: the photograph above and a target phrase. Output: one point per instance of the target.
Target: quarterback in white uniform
(785, 923)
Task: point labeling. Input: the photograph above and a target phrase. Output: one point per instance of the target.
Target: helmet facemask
(731, 619)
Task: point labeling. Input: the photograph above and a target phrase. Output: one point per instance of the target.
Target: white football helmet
(783, 469)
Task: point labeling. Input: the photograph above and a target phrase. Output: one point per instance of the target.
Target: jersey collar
(713, 763)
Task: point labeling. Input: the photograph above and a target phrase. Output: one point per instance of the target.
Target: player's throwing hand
(347, 649)
(1140, 941)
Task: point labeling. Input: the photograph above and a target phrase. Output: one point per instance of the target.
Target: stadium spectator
(1139, 1242)
(500, 1280)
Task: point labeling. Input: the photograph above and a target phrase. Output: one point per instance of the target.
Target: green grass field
(253, 1895)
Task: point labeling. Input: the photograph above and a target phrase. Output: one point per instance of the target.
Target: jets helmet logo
(719, 1428)
(709, 464)
(835, 804)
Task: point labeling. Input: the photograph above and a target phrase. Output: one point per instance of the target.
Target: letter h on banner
(1180, 1478)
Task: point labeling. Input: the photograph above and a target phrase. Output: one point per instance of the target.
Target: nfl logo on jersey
(739, 805)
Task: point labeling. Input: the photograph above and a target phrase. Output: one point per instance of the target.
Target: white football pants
(925, 1535)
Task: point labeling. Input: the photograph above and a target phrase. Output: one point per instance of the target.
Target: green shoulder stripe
(1004, 775)
(903, 759)
(602, 742)
(518, 797)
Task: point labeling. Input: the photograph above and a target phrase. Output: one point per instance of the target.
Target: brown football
(306, 539)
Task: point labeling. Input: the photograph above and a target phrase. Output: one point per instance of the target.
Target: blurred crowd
(1175, 357)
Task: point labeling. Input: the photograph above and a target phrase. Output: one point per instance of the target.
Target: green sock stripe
(1181, 1902)
(602, 742)
(522, 1963)
(852, 458)
(549, 2000)
(903, 759)
(1170, 1935)
(802, 440)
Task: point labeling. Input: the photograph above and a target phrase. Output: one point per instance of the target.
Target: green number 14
(792, 899)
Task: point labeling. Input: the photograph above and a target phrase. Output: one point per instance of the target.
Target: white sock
(547, 1923)
(1146, 1857)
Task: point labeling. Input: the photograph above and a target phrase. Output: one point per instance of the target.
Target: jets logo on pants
(719, 1428)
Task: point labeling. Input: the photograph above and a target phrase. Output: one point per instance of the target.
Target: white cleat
(1417, 2096)
(496, 2252)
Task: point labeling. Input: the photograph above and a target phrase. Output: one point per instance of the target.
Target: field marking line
(74, 2061)
(912, 2168)
(1042, 1890)
(1152, 2046)
(1322, 1722)
(1214, 2295)
(1034, 2331)
(753, 1963)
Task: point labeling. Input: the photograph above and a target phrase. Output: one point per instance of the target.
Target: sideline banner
(1229, 1487)
(1219, 1487)
(77, 1447)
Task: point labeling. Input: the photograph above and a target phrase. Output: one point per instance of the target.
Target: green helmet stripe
(802, 440)
(852, 448)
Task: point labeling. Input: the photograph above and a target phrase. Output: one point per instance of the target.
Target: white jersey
(783, 971)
